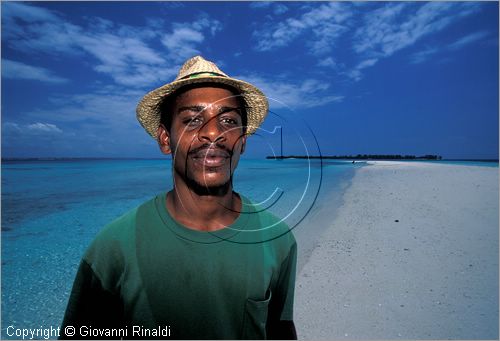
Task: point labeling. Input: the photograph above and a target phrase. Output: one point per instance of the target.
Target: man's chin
(209, 186)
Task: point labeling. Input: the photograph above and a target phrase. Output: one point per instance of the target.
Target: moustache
(208, 150)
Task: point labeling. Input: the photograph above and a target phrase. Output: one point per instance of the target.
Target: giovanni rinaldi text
(134, 331)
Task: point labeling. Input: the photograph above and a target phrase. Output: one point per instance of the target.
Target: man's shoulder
(119, 234)
(270, 225)
(269, 218)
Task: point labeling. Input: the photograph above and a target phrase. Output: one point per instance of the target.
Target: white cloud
(123, 52)
(422, 56)
(45, 139)
(326, 34)
(355, 73)
(111, 108)
(205, 22)
(468, 39)
(375, 33)
(308, 93)
(276, 7)
(104, 118)
(182, 41)
(26, 13)
(30, 28)
(366, 63)
(279, 9)
(260, 4)
(38, 128)
(186, 38)
(16, 70)
(129, 61)
(324, 22)
(10, 128)
(378, 24)
(396, 26)
(328, 62)
(43, 128)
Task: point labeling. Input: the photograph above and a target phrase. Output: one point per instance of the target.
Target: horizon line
(70, 158)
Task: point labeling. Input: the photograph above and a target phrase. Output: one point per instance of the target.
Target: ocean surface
(51, 210)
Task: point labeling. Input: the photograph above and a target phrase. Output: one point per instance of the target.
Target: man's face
(206, 136)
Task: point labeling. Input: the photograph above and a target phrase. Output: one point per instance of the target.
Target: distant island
(359, 157)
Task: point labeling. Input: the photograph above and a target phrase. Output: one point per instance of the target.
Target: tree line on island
(359, 157)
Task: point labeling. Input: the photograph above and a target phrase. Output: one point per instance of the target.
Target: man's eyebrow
(200, 108)
(195, 108)
(224, 109)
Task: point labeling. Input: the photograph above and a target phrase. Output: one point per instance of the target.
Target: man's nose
(211, 130)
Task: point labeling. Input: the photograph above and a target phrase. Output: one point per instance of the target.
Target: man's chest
(192, 285)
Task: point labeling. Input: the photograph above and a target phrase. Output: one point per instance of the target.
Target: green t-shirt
(146, 274)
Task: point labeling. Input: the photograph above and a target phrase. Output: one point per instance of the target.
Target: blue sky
(370, 78)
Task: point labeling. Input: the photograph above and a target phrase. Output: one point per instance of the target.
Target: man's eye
(194, 121)
(228, 120)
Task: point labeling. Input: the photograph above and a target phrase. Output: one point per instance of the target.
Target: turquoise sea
(51, 210)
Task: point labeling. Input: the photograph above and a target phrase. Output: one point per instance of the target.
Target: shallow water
(51, 210)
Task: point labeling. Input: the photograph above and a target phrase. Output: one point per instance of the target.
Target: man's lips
(211, 157)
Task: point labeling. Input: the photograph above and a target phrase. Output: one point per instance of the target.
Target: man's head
(203, 118)
(203, 127)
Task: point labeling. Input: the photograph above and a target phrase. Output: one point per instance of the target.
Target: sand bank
(411, 254)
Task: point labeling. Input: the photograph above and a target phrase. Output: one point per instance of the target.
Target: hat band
(202, 74)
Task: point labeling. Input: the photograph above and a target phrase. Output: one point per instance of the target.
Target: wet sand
(412, 253)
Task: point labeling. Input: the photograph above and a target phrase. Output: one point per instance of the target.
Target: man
(201, 261)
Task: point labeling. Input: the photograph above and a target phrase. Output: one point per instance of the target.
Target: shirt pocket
(255, 318)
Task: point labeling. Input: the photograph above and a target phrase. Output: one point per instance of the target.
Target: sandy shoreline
(411, 254)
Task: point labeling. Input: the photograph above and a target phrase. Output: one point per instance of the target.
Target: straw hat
(198, 70)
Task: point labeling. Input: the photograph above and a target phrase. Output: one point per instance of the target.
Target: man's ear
(164, 140)
(243, 143)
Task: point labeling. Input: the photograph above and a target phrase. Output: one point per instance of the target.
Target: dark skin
(206, 140)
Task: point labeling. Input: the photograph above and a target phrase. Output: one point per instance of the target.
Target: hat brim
(148, 109)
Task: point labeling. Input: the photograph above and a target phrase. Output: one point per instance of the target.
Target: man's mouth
(211, 157)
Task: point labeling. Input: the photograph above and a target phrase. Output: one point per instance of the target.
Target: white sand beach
(411, 254)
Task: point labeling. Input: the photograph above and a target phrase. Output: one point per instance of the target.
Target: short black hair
(167, 104)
